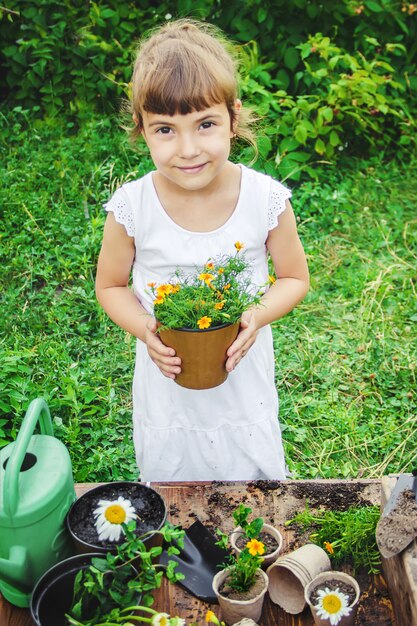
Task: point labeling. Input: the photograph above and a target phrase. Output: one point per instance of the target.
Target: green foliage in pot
(211, 296)
(243, 567)
(107, 591)
(348, 536)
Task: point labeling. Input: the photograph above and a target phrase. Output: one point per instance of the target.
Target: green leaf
(291, 59)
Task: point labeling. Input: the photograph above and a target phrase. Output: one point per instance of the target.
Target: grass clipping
(347, 536)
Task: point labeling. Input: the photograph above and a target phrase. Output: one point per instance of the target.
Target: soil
(149, 507)
(343, 587)
(396, 530)
(270, 543)
(232, 594)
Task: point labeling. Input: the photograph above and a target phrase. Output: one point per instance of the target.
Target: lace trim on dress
(277, 197)
(120, 206)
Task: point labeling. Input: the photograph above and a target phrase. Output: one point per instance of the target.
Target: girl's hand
(161, 355)
(245, 339)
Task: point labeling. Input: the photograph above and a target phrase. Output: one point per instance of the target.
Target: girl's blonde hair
(187, 66)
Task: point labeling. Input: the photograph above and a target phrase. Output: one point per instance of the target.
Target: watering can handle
(38, 410)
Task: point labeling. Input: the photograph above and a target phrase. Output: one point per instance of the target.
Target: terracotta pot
(266, 528)
(322, 581)
(52, 595)
(235, 610)
(202, 353)
(148, 504)
(290, 574)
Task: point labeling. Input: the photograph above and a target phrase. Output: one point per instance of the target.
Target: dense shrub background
(326, 78)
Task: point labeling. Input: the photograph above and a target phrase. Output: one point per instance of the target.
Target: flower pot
(268, 558)
(290, 574)
(343, 583)
(148, 505)
(235, 610)
(52, 595)
(202, 353)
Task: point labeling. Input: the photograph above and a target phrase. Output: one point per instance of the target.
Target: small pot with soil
(95, 519)
(333, 599)
(236, 605)
(269, 536)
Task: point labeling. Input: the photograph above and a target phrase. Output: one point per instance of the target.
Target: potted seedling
(268, 535)
(241, 586)
(333, 599)
(96, 520)
(93, 589)
(199, 313)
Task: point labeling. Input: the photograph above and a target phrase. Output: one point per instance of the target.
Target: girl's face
(190, 150)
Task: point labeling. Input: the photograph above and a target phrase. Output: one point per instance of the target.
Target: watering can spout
(14, 569)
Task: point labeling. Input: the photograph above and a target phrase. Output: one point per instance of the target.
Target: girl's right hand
(161, 355)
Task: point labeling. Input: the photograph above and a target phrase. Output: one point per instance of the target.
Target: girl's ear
(237, 107)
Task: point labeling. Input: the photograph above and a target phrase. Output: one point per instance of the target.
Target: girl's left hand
(245, 339)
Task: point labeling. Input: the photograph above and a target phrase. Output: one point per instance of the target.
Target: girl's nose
(188, 147)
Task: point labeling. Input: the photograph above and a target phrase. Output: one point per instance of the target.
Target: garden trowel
(198, 561)
(397, 526)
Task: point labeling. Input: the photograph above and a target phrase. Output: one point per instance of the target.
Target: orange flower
(239, 245)
(206, 277)
(204, 322)
(210, 266)
(159, 300)
(219, 305)
(328, 546)
(164, 290)
(152, 285)
(255, 547)
(220, 270)
(226, 287)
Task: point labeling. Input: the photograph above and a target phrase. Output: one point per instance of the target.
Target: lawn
(345, 358)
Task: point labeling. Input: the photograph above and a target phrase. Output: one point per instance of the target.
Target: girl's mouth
(192, 169)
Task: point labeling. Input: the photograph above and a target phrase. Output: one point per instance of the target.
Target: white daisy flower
(111, 514)
(160, 619)
(332, 605)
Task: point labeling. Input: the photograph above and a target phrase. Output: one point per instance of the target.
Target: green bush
(324, 77)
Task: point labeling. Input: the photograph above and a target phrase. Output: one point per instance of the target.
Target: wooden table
(276, 502)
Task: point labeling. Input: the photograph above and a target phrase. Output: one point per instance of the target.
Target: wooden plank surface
(214, 503)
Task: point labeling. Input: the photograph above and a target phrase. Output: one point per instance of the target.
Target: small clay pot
(202, 353)
(266, 528)
(235, 610)
(322, 581)
(290, 574)
(149, 506)
(52, 595)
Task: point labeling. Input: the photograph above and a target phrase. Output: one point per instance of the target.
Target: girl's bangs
(181, 87)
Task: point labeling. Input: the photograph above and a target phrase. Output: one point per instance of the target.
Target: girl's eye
(207, 125)
(164, 130)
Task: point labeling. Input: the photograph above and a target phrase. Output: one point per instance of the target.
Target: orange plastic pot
(202, 353)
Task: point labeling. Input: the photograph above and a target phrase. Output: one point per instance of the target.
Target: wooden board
(276, 502)
(400, 572)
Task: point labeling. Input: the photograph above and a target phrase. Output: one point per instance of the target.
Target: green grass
(345, 357)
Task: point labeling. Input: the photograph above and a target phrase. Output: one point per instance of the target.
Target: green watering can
(36, 491)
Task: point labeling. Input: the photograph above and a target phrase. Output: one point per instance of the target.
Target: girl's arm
(118, 300)
(290, 266)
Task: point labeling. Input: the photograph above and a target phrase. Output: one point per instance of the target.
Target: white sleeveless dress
(230, 432)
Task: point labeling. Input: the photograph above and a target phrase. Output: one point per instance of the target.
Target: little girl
(194, 206)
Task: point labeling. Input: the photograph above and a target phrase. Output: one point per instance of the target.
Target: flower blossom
(332, 605)
(255, 547)
(110, 515)
(204, 322)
